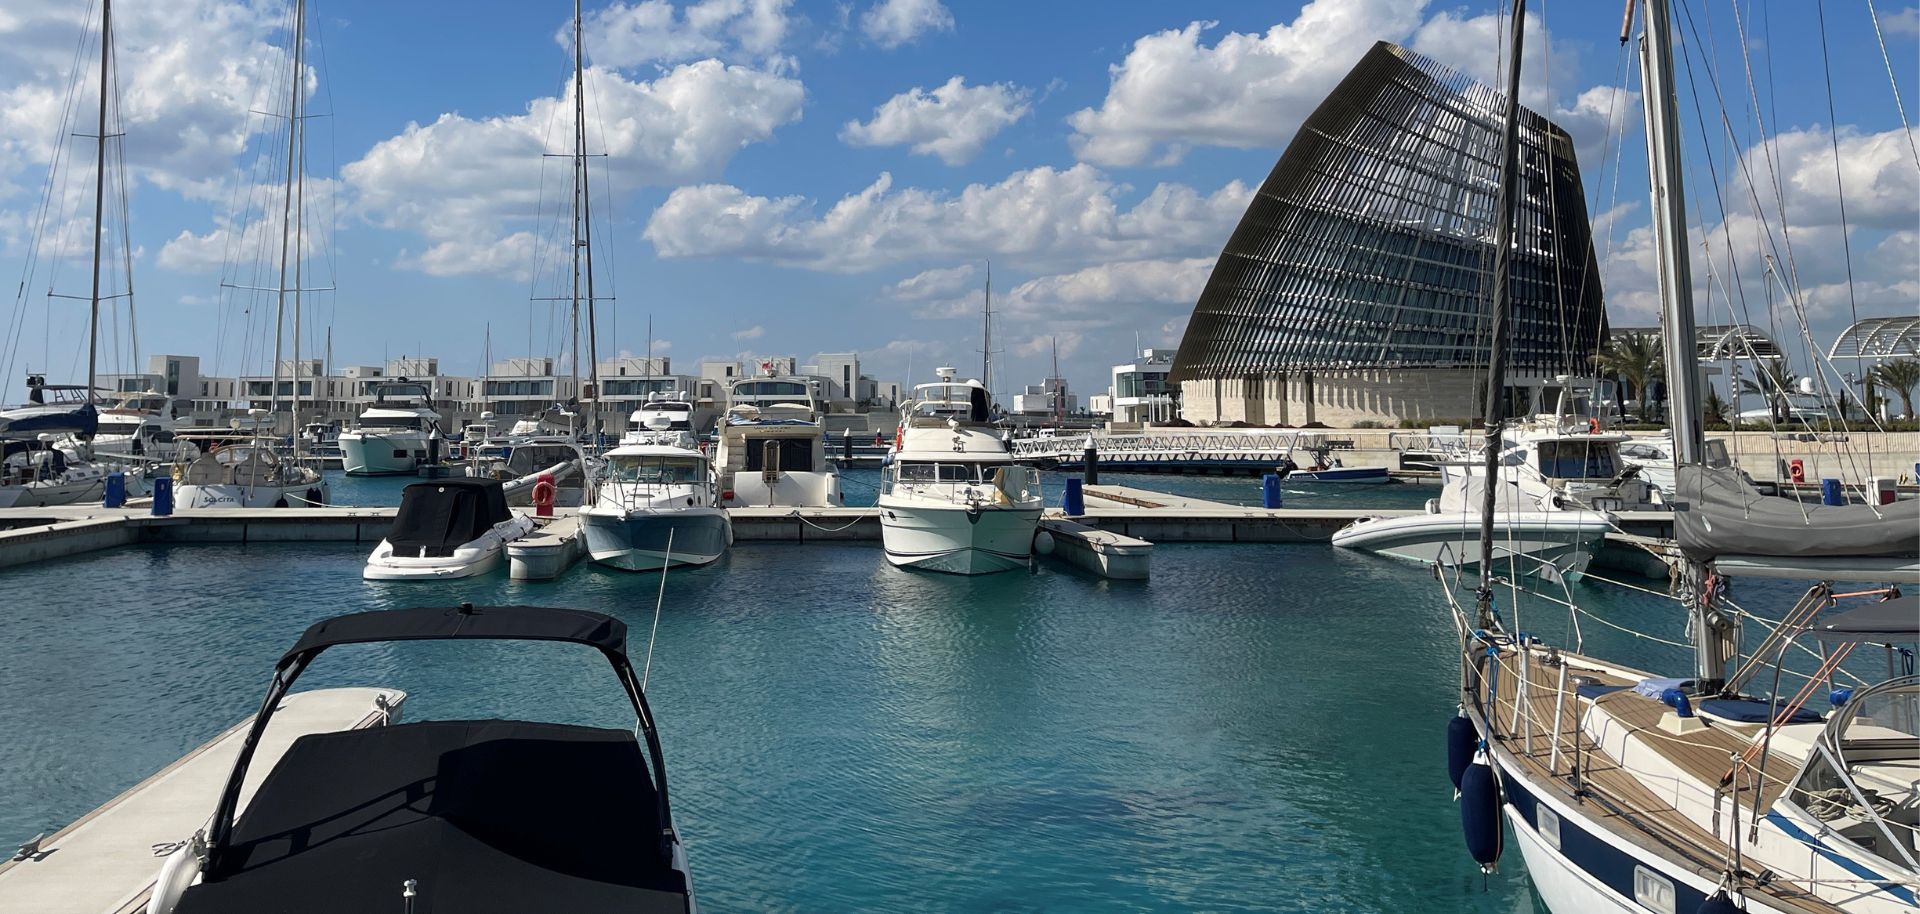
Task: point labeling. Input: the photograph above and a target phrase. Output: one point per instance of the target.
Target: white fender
(180, 871)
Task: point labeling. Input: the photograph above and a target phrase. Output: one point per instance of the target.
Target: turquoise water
(1256, 729)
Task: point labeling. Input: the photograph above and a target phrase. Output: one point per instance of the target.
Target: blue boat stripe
(1599, 859)
(1849, 864)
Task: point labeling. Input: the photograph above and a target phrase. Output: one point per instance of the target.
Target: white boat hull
(957, 539)
(468, 560)
(1567, 539)
(208, 497)
(788, 490)
(380, 454)
(45, 494)
(649, 540)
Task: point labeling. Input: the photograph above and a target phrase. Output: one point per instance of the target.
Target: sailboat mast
(99, 199)
(1502, 288)
(286, 201)
(299, 249)
(579, 188)
(585, 215)
(1715, 636)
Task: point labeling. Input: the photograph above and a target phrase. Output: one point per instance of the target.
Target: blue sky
(790, 178)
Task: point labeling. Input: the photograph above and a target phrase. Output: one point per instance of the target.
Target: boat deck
(1617, 798)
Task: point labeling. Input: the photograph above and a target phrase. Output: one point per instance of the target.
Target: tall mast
(1715, 636)
(286, 202)
(1496, 405)
(99, 199)
(585, 215)
(986, 338)
(299, 124)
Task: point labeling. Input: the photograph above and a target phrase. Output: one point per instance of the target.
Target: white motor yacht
(447, 528)
(140, 426)
(772, 449)
(392, 437)
(1652, 459)
(35, 469)
(656, 503)
(951, 497)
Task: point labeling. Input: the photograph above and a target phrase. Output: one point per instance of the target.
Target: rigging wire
(1905, 125)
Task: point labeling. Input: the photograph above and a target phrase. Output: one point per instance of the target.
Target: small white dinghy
(447, 528)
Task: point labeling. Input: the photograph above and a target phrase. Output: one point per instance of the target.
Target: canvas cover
(55, 418)
(1720, 514)
(437, 517)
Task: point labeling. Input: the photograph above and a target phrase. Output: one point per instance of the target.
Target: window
(1652, 890)
(1576, 460)
(944, 472)
(1547, 823)
(656, 469)
(791, 455)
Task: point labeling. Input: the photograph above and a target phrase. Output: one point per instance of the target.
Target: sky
(783, 177)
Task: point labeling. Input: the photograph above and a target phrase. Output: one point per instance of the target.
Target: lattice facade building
(1357, 284)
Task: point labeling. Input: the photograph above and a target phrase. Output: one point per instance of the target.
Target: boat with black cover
(432, 817)
(448, 528)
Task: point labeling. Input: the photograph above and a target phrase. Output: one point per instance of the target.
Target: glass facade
(1368, 246)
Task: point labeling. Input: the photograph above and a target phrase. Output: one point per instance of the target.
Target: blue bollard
(163, 496)
(1074, 502)
(1270, 491)
(1830, 493)
(116, 496)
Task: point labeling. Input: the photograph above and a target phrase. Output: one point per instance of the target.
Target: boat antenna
(658, 600)
(99, 199)
(1496, 405)
(986, 338)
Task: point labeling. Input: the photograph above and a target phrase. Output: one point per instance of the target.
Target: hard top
(465, 622)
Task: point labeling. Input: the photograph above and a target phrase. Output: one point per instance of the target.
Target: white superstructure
(393, 434)
(772, 447)
(951, 497)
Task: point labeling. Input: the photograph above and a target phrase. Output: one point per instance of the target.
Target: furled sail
(1721, 515)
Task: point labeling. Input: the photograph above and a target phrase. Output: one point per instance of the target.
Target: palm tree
(1903, 375)
(1634, 358)
(1718, 410)
(1773, 382)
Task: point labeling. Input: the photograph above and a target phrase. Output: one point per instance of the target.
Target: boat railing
(1273, 445)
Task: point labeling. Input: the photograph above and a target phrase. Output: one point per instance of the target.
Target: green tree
(1636, 360)
(1718, 410)
(1773, 382)
(1903, 375)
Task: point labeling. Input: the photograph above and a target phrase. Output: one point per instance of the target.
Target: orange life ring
(543, 492)
(1593, 425)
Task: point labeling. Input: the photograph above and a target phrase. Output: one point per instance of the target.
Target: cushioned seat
(1746, 711)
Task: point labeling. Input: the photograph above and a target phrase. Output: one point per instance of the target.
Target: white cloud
(655, 31)
(953, 121)
(470, 186)
(1901, 22)
(933, 283)
(1477, 47)
(1111, 293)
(751, 333)
(1246, 90)
(1040, 218)
(892, 23)
(188, 72)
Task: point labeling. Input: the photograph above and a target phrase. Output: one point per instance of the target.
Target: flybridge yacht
(392, 437)
(656, 502)
(140, 425)
(772, 448)
(951, 497)
(662, 413)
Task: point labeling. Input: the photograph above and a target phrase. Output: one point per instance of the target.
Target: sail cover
(43, 418)
(1720, 514)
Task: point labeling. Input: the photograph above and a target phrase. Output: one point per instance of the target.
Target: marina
(1353, 552)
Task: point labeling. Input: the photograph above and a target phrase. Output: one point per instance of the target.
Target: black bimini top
(439, 516)
(1895, 621)
(466, 622)
(486, 817)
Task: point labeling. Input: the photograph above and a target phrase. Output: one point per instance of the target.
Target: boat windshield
(944, 472)
(655, 469)
(759, 392)
(1577, 459)
(966, 402)
(402, 395)
(409, 422)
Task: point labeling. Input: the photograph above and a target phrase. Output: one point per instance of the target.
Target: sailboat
(46, 445)
(240, 467)
(1715, 791)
